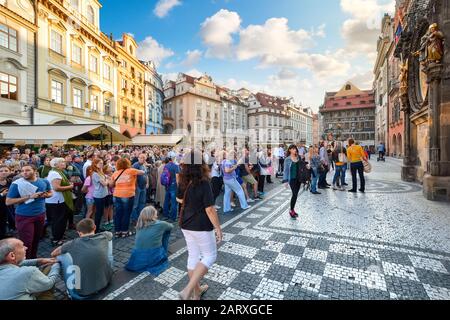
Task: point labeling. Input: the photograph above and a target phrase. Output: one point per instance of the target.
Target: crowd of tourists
(120, 192)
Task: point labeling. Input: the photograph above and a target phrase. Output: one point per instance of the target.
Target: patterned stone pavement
(389, 243)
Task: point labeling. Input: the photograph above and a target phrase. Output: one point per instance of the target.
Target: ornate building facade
(131, 86)
(154, 99)
(192, 107)
(424, 47)
(77, 69)
(17, 61)
(381, 82)
(349, 113)
(234, 118)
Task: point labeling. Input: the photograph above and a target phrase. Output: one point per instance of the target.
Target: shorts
(109, 201)
(249, 179)
(89, 202)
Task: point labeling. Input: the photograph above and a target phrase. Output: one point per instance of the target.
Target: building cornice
(17, 18)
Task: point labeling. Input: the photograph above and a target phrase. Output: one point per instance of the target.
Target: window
(77, 98)
(349, 103)
(75, 4)
(8, 86)
(181, 112)
(256, 121)
(124, 84)
(56, 42)
(107, 107)
(94, 64)
(94, 102)
(199, 113)
(57, 93)
(131, 50)
(106, 71)
(8, 37)
(90, 15)
(76, 54)
(348, 87)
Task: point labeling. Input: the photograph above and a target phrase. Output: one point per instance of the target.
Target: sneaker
(341, 189)
(334, 187)
(233, 205)
(217, 207)
(352, 191)
(250, 200)
(248, 207)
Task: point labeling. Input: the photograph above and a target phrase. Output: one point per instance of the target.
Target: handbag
(367, 166)
(115, 180)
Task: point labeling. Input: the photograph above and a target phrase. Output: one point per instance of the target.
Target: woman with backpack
(340, 159)
(292, 166)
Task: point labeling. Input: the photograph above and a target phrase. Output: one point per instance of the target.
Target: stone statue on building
(403, 78)
(431, 46)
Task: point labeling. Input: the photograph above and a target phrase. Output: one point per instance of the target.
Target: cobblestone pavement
(389, 243)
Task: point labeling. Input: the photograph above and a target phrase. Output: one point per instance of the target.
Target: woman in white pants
(229, 166)
(198, 220)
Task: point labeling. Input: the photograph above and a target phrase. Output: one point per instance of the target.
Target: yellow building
(17, 61)
(77, 65)
(130, 77)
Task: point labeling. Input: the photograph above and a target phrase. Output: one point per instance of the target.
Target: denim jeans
(70, 278)
(314, 179)
(339, 174)
(99, 211)
(140, 200)
(358, 168)
(122, 208)
(233, 185)
(170, 209)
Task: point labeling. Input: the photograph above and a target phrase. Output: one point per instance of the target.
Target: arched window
(131, 49)
(91, 15)
(75, 4)
(348, 87)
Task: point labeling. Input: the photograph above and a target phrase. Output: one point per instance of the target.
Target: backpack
(303, 173)
(165, 177)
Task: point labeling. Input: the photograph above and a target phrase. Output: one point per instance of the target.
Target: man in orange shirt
(356, 155)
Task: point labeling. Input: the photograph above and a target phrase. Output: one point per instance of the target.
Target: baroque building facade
(17, 61)
(423, 48)
(77, 73)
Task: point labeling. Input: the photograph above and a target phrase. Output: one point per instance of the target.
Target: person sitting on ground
(22, 279)
(92, 254)
(152, 243)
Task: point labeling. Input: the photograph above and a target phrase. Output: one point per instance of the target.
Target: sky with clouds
(291, 48)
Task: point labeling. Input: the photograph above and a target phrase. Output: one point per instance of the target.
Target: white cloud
(192, 58)
(150, 49)
(163, 7)
(194, 73)
(217, 31)
(362, 30)
(272, 41)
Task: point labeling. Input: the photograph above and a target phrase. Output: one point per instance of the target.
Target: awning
(169, 140)
(60, 134)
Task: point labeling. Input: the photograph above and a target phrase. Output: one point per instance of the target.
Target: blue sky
(298, 48)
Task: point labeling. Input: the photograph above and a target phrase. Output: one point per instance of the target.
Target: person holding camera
(28, 194)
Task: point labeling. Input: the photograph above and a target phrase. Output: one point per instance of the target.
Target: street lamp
(27, 108)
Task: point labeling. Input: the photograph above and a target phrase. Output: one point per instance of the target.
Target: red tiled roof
(270, 101)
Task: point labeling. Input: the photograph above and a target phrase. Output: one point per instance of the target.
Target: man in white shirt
(280, 154)
(88, 163)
